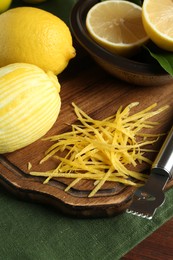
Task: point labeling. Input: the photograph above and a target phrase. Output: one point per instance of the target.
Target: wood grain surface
(99, 95)
(157, 246)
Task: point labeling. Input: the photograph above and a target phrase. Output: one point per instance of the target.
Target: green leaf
(164, 58)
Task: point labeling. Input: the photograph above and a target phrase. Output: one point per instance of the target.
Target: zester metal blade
(148, 198)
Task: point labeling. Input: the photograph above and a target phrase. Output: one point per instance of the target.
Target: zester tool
(149, 197)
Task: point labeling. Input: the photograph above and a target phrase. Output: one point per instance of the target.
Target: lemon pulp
(158, 22)
(117, 26)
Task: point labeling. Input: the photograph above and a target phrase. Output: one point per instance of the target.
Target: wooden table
(158, 246)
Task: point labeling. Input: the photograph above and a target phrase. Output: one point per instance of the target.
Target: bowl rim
(78, 28)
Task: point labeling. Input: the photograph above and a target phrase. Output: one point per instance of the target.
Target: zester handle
(163, 163)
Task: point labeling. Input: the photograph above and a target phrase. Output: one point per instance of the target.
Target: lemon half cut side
(157, 19)
(117, 26)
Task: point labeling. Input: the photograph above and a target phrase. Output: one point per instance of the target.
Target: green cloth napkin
(35, 232)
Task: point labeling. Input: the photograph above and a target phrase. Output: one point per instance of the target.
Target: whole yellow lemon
(35, 36)
(4, 5)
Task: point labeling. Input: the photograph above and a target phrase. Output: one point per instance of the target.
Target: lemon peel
(29, 105)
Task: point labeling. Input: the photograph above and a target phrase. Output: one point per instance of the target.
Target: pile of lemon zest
(102, 150)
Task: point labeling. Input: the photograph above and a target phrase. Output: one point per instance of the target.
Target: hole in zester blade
(143, 195)
(147, 196)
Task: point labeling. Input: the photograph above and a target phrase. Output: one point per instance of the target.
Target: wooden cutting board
(99, 95)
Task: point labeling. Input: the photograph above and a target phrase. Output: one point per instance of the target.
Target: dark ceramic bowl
(140, 70)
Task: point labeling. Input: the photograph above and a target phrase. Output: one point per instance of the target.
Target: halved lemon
(157, 18)
(117, 26)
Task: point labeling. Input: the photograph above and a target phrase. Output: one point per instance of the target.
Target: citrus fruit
(117, 26)
(4, 5)
(158, 22)
(35, 36)
(29, 105)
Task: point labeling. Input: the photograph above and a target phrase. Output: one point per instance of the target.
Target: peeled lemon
(158, 22)
(117, 26)
(29, 105)
(35, 36)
